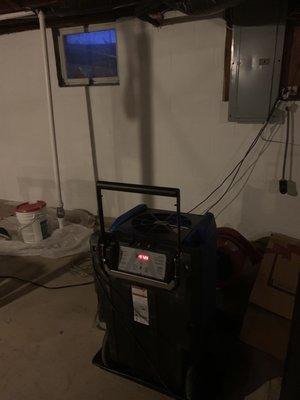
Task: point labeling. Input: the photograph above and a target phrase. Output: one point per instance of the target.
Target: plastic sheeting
(70, 240)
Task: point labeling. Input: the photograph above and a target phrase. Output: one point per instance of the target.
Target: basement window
(86, 56)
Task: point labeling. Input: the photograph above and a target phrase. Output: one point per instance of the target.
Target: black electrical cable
(214, 191)
(244, 158)
(227, 189)
(99, 277)
(286, 141)
(98, 280)
(108, 282)
(251, 168)
(45, 286)
(283, 183)
(129, 330)
(238, 166)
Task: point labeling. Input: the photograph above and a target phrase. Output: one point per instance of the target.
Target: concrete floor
(48, 339)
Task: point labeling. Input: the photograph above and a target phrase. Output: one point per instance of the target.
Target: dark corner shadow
(245, 370)
(292, 186)
(138, 104)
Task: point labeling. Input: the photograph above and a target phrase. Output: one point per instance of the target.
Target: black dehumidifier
(155, 274)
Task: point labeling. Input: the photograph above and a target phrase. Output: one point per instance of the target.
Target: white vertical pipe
(92, 133)
(60, 205)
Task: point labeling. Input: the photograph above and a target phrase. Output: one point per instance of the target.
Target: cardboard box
(268, 319)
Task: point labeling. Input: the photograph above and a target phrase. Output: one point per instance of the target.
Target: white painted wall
(165, 124)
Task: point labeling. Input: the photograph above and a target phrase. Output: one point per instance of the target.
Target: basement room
(149, 200)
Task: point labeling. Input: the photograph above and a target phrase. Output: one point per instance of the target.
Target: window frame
(58, 40)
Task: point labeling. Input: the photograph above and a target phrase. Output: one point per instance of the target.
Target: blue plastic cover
(127, 215)
(201, 232)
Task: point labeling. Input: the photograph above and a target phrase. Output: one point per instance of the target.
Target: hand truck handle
(142, 189)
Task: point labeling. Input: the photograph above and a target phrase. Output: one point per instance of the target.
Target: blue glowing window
(88, 57)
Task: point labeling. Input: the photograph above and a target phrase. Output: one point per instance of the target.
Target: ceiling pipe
(187, 18)
(60, 206)
(16, 15)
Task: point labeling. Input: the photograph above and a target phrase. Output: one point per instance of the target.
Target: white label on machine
(140, 305)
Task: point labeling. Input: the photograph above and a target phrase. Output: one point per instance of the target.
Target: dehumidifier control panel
(142, 262)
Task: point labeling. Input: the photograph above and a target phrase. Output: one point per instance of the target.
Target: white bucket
(33, 222)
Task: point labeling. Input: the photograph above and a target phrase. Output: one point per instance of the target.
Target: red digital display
(143, 257)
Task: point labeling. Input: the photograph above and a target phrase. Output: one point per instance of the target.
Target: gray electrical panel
(255, 71)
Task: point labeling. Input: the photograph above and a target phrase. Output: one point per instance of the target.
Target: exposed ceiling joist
(61, 13)
(16, 15)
